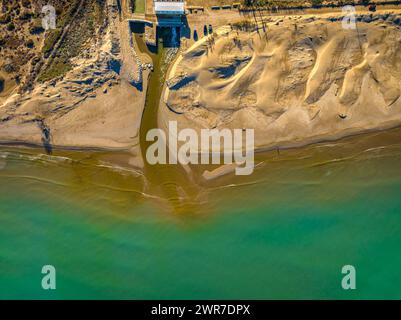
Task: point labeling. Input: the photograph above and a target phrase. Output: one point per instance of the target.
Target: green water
(284, 232)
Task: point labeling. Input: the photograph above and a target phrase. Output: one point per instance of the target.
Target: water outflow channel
(170, 182)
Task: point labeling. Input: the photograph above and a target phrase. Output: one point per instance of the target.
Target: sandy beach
(94, 105)
(305, 80)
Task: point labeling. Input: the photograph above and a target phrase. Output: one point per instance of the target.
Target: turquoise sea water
(284, 232)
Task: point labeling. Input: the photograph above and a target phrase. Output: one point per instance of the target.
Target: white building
(169, 7)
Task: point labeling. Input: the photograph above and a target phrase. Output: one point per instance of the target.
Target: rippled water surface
(284, 232)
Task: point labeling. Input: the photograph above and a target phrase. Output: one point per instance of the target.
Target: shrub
(37, 27)
(9, 68)
(316, 3)
(50, 41)
(5, 18)
(10, 26)
(26, 3)
(30, 43)
(58, 68)
(26, 15)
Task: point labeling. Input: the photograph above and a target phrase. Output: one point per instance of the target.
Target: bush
(316, 3)
(50, 41)
(58, 68)
(37, 27)
(30, 43)
(26, 15)
(9, 68)
(10, 26)
(26, 3)
(5, 18)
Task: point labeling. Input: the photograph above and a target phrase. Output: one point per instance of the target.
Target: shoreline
(206, 176)
(259, 151)
(132, 142)
(18, 144)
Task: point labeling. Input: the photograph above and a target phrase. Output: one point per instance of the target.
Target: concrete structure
(169, 7)
(169, 12)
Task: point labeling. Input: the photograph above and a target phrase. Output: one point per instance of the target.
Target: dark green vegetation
(29, 53)
(82, 20)
(17, 18)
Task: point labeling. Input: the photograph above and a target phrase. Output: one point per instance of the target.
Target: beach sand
(305, 80)
(95, 105)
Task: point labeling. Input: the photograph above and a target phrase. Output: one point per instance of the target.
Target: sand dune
(307, 79)
(94, 105)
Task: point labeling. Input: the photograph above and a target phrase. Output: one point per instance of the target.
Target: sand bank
(305, 80)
